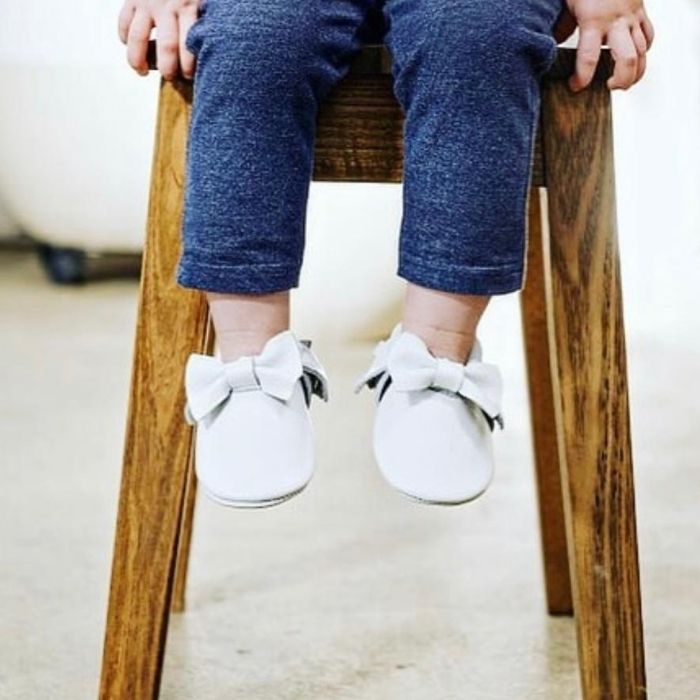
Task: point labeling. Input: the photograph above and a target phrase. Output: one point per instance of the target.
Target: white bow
(411, 366)
(283, 360)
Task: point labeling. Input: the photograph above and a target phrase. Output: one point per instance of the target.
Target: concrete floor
(347, 591)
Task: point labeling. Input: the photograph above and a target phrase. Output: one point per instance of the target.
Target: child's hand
(622, 24)
(172, 19)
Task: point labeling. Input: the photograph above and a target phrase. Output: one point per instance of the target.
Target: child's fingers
(137, 40)
(647, 28)
(125, 16)
(640, 41)
(187, 60)
(641, 68)
(167, 45)
(640, 44)
(587, 56)
(624, 52)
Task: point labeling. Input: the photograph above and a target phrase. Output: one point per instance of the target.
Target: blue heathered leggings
(467, 74)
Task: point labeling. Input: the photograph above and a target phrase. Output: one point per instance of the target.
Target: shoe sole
(232, 503)
(430, 502)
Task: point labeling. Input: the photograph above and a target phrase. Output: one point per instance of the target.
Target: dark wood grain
(585, 299)
(542, 416)
(359, 132)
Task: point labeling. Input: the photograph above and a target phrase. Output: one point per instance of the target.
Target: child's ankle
(452, 345)
(233, 344)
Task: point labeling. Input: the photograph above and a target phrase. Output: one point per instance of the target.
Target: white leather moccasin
(254, 443)
(434, 419)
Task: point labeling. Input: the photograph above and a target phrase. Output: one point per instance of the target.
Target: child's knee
(469, 42)
(259, 46)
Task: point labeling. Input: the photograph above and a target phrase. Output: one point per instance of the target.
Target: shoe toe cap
(433, 446)
(257, 449)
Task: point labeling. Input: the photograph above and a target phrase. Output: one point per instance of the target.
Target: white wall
(657, 136)
(48, 32)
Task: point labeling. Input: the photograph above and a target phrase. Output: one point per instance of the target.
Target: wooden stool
(575, 343)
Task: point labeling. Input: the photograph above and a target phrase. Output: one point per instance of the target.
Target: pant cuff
(236, 279)
(461, 279)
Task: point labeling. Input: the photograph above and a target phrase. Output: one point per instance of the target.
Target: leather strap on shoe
(314, 377)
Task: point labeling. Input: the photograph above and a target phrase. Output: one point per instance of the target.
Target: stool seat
(574, 338)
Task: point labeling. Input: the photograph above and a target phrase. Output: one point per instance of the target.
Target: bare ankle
(443, 342)
(235, 343)
(445, 321)
(243, 323)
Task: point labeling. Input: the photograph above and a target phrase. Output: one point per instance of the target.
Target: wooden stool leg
(171, 324)
(544, 432)
(185, 539)
(591, 383)
(184, 543)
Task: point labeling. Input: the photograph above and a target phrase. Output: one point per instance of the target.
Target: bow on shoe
(209, 381)
(406, 360)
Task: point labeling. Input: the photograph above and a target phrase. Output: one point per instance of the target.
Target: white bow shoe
(434, 419)
(254, 443)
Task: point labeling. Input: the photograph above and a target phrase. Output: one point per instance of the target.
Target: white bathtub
(76, 126)
(76, 144)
